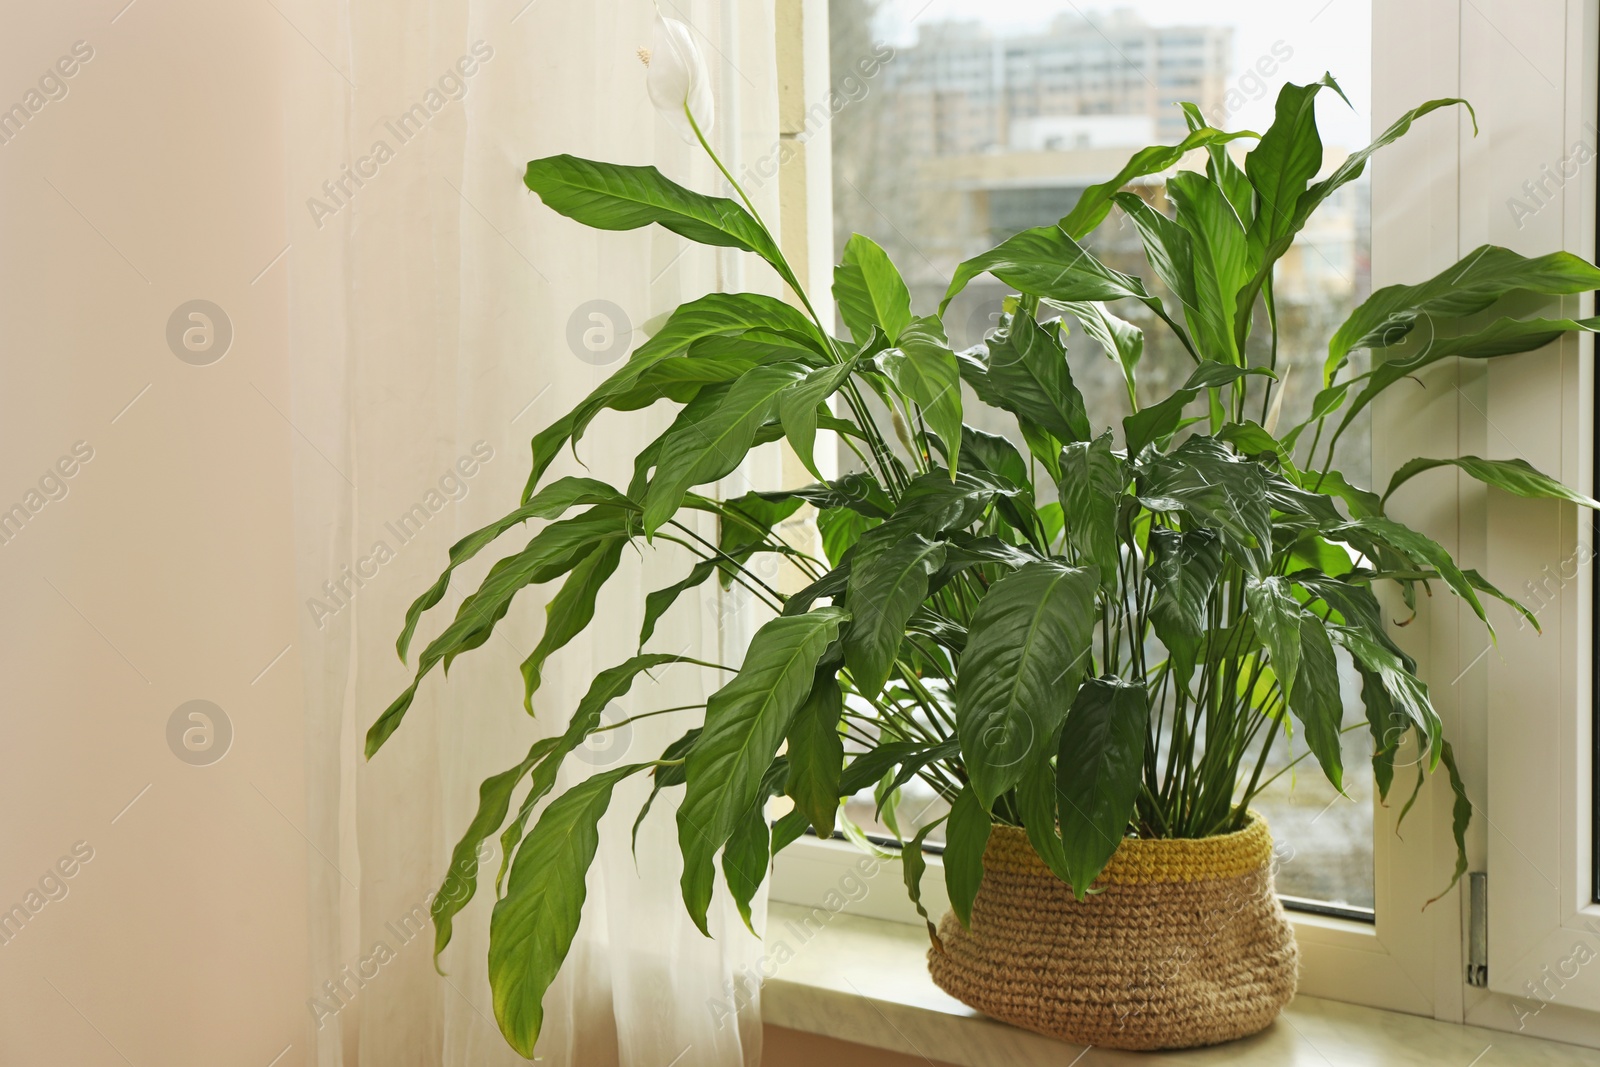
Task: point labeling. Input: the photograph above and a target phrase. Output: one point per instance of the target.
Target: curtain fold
(440, 316)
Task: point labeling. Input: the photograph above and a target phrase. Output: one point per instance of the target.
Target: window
(932, 204)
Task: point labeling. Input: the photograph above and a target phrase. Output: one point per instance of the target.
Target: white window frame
(1438, 193)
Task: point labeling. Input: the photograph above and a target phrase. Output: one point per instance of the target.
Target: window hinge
(1478, 929)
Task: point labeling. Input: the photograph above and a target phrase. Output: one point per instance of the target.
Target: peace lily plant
(1102, 634)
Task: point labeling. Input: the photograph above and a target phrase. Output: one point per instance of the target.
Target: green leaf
(1159, 421)
(657, 602)
(1460, 817)
(570, 611)
(666, 775)
(797, 409)
(745, 860)
(816, 753)
(609, 684)
(1122, 340)
(1028, 647)
(1407, 694)
(1489, 273)
(551, 502)
(1314, 697)
(1284, 161)
(1220, 262)
(1216, 488)
(870, 291)
(912, 865)
(924, 369)
(531, 929)
(1282, 232)
(1516, 476)
(965, 838)
(461, 880)
(841, 528)
(1098, 773)
(700, 450)
(1276, 614)
(885, 589)
(1093, 482)
(551, 553)
(746, 721)
(702, 324)
(1416, 547)
(1168, 249)
(1023, 369)
(1046, 262)
(1184, 568)
(609, 196)
(1095, 201)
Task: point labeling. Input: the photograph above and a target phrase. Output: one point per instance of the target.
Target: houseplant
(1088, 680)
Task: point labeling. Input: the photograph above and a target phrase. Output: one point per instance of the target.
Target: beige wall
(164, 573)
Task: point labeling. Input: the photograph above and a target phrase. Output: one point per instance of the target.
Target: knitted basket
(1180, 943)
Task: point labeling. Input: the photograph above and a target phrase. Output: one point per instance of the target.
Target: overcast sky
(1325, 35)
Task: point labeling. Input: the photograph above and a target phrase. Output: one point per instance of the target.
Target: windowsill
(866, 981)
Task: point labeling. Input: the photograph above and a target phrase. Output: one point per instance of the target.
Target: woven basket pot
(1180, 943)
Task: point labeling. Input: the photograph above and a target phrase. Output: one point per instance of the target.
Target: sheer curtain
(439, 316)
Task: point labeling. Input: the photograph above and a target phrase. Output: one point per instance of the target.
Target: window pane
(957, 123)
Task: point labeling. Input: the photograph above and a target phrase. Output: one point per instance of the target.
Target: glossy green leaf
(1028, 647)
(924, 369)
(1098, 773)
(966, 836)
(797, 409)
(1093, 481)
(885, 589)
(1122, 341)
(1046, 262)
(870, 291)
(1220, 260)
(746, 721)
(1276, 614)
(1516, 476)
(532, 927)
(570, 611)
(1315, 699)
(609, 196)
(1023, 369)
(1160, 420)
(701, 450)
(1485, 275)
(912, 865)
(816, 753)
(1095, 201)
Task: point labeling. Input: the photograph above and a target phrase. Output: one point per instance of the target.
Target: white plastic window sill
(865, 980)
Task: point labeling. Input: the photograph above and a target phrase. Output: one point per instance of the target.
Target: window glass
(957, 123)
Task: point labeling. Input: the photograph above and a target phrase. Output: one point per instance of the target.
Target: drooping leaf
(1516, 476)
(1483, 276)
(553, 501)
(1407, 693)
(1460, 817)
(746, 721)
(1276, 614)
(965, 838)
(1315, 700)
(461, 880)
(797, 409)
(1216, 488)
(698, 450)
(924, 369)
(667, 774)
(1092, 484)
(1095, 201)
(1098, 772)
(1122, 340)
(570, 611)
(1023, 369)
(1160, 420)
(1185, 567)
(1028, 647)
(884, 591)
(870, 291)
(912, 865)
(816, 753)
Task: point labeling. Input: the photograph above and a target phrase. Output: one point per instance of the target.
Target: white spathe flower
(678, 81)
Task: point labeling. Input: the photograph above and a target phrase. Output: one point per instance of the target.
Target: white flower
(678, 81)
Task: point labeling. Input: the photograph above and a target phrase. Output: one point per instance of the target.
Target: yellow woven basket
(1181, 943)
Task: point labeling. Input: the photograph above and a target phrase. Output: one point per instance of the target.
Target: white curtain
(432, 309)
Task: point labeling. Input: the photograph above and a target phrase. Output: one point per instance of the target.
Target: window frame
(1431, 203)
